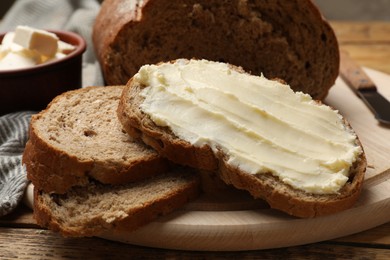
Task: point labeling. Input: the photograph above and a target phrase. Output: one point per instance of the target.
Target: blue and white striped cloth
(13, 181)
(71, 15)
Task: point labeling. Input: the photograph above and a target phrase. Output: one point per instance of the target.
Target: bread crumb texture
(83, 123)
(86, 211)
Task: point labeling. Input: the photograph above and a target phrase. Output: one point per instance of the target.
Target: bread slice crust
(70, 143)
(278, 194)
(100, 208)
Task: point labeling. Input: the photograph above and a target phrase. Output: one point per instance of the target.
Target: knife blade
(364, 87)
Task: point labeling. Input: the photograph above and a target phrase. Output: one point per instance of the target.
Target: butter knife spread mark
(262, 125)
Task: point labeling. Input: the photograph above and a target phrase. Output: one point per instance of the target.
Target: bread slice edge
(279, 195)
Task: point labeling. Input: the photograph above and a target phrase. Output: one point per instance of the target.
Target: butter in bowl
(37, 65)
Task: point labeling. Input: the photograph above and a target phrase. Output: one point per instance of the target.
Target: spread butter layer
(262, 125)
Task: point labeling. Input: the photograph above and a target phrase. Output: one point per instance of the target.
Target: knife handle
(353, 74)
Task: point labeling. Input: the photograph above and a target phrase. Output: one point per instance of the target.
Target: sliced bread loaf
(98, 208)
(299, 155)
(78, 137)
(281, 39)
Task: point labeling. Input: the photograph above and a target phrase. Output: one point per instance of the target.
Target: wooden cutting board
(231, 220)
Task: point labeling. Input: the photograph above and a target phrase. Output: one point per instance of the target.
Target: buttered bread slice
(299, 155)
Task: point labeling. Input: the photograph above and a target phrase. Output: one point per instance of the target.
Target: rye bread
(100, 208)
(78, 137)
(278, 194)
(289, 40)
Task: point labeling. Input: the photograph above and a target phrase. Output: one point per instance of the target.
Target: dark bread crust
(56, 170)
(278, 194)
(281, 39)
(296, 202)
(52, 210)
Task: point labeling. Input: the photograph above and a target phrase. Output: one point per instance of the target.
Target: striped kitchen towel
(13, 180)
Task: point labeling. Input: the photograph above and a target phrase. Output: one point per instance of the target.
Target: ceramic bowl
(34, 87)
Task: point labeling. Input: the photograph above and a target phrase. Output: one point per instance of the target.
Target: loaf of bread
(299, 155)
(78, 137)
(281, 39)
(98, 208)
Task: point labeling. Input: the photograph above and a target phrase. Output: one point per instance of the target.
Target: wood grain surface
(367, 43)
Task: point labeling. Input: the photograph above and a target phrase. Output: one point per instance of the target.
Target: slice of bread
(289, 40)
(279, 194)
(78, 137)
(98, 208)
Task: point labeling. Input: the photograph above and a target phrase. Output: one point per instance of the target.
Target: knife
(364, 87)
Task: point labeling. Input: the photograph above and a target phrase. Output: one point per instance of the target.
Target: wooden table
(369, 44)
